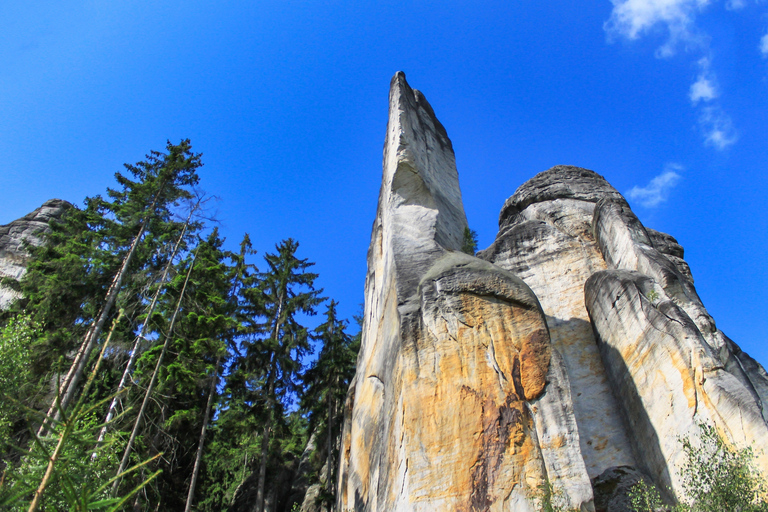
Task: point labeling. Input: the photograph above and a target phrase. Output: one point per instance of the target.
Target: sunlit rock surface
(29, 229)
(572, 353)
(456, 353)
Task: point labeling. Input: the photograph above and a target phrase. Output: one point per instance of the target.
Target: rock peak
(13, 236)
(420, 199)
(559, 182)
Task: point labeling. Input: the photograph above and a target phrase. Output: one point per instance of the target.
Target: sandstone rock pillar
(455, 352)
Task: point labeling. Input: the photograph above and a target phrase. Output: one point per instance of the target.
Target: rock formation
(564, 360)
(13, 236)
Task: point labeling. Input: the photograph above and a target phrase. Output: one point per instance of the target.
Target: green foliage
(716, 477)
(66, 283)
(239, 334)
(64, 470)
(273, 340)
(16, 336)
(551, 499)
(644, 497)
(469, 242)
(81, 477)
(325, 388)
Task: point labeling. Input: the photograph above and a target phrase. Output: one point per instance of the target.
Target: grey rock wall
(29, 229)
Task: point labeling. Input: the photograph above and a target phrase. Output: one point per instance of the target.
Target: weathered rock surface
(29, 229)
(612, 488)
(571, 353)
(669, 364)
(456, 353)
(641, 372)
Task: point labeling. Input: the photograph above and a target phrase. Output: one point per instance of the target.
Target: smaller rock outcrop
(13, 237)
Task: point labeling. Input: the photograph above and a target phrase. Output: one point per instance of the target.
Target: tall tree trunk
(331, 389)
(201, 443)
(259, 505)
(135, 349)
(77, 368)
(70, 426)
(153, 380)
(329, 472)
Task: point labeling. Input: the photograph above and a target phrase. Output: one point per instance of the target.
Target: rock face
(29, 229)
(568, 356)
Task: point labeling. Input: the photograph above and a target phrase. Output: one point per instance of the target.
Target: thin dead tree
(201, 442)
(142, 333)
(75, 373)
(153, 380)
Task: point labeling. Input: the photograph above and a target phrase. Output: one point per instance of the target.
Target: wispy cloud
(764, 45)
(631, 19)
(717, 127)
(634, 18)
(705, 87)
(657, 191)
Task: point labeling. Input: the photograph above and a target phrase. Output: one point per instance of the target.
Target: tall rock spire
(454, 352)
(420, 207)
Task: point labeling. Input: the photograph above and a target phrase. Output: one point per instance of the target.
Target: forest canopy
(146, 367)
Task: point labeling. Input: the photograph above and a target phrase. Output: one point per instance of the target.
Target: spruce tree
(110, 249)
(275, 340)
(325, 388)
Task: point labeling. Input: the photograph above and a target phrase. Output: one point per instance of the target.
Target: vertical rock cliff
(569, 355)
(455, 350)
(28, 229)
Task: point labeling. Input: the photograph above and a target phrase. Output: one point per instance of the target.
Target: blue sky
(287, 101)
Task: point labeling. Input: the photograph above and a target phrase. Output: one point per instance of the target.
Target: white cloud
(764, 45)
(717, 127)
(633, 18)
(657, 191)
(705, 86)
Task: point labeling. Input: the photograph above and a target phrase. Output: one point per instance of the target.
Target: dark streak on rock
(497, 430)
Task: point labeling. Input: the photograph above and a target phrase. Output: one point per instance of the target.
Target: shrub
(716, 478)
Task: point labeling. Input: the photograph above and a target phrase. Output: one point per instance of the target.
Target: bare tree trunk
(201, 443)
(329, 472)
(259, 505)
(153, 380)
(77, 368)
(69, 427)
(134, 350)
(329, 462)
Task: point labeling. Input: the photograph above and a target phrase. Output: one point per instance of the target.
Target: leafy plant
(66, 477)
(644, 497)
(551, 499)
(15, 338)
(716, 477)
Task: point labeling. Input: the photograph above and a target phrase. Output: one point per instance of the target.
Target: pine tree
(188, 375)
(276, 341)
(325, 388)
(106, 252)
